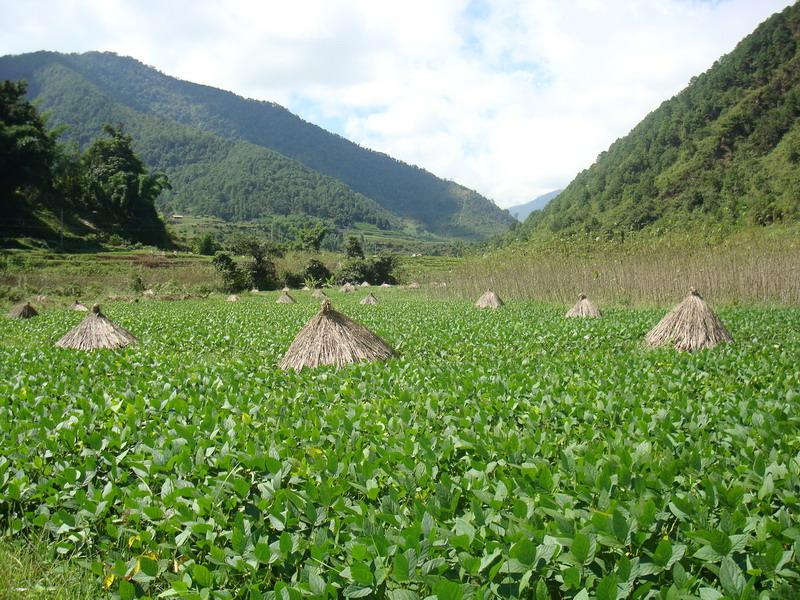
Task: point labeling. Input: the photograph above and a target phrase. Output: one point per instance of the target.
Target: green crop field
(503, 454)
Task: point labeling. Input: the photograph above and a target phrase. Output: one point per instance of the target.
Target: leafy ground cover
(503, 454)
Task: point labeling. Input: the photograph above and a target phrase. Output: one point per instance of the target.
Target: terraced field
(503, 454)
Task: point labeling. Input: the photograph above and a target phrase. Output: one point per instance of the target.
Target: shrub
(316, 270)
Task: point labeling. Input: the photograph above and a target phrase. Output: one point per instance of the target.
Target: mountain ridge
(723, 151)
(407, 192)
(521, 211)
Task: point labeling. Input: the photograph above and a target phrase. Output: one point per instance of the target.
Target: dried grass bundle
(584, 308)
(413, 285)
(690, 326)
(305, 288)
(331, 338)
(95, 332)
(285, 288)
(364, 284)
(319, 294)
(23, 311)
(79, 306)
(255, 290)
(369, 300)
(347, 288)
(385, 285)
(284, 298)
(489, 300)
(232, 298)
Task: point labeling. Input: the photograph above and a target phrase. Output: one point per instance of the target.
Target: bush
(206, 245)
(263, 274)
(137, 285)
(233, 278)
(316, 270)
(290, 279)
(374, 270)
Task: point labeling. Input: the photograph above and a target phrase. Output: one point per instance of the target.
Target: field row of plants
(509, 453)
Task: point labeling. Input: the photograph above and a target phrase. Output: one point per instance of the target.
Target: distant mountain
(521, 211)
(724, 150)
(240, 159)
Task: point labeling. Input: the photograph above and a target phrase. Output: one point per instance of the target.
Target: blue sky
(509, 97)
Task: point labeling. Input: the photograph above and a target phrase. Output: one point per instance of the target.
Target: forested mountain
(724, 150)
(236, 158)
(521, 211)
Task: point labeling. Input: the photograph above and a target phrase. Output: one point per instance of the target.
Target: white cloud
(509, 97)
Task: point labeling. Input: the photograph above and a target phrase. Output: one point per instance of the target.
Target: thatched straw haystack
(232, 298)
(331, 338)
(385, 285)
(149, 293)
(413, 285)
(364, 284)
(489, 300)
(584, 308)
(319, 294)
(23, 311)
(690, 326)
(285, 298)
(369, 300)
(285, 288)
(347, 288)
(79, 306)
(255, 290)
(96, 331)
(305, 288)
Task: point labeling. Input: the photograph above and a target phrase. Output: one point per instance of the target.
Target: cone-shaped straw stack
(690, 326)
(347, 288)
(79, 306)
(364, 284)
(385, 285)
(285, 298)
(319, 294)
(23, 311)
(584, 308)
(305, 288)
(331, 338)
(489, 300)
(96, 331)
(232, 298)
(370, 300)
(413, 285)
(285, 288)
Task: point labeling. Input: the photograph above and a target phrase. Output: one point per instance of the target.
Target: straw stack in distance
(232, 298)
(79, 306)
(347, 288)
(690, 326)
(318, 294)
(413, 285)
(285, 298)
(489, 300)
(369, 300)
(331, 338)
(23, 311)
(584, 309)
(95, 332)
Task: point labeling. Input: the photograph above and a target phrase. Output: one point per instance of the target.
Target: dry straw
(489, 300)
(364, 284)
(285, 288)
(285, 298)
(79, 306)
(690, 326)
(584, 309)
(369, 300)
(385, 285)
(23, 311)
(319, 294)
(347, 288)
(95, 332)
(413, 285)
(331, 338)
(232, 298)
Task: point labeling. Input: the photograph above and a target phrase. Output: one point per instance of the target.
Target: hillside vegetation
(726, 150)
(240, 159)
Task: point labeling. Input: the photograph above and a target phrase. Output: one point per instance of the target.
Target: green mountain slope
(724, 150)
(223, 152)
